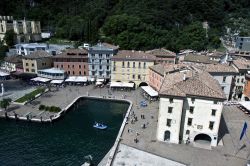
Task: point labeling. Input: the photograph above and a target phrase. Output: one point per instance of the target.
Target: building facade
(190, 108)
(73, 61)
(163, 56)
(12, 63)
(25, 30)
(242, 66)
(36, 61)
(243, 43)
(131, 66)
(100, 60)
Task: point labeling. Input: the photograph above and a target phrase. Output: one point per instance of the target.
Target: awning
(3, 74)
(100, 80)
(56, 81)
(76, 79)
(81, 79)
(98, 83)
(245, 104)
(150, 91)
(40, 79)
(92, 79)
(121, 85)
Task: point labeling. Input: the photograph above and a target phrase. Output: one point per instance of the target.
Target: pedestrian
(128, 130)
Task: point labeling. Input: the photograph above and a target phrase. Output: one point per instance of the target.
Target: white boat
(100, 126)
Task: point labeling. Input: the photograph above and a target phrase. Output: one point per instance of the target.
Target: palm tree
(5, 103)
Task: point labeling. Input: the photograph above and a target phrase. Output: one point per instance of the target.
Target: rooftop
(73, 53)
(242, 64)
(32, 45)
(217, 68)
(133, 55)
(198, 59)
(13, 59)
(167, 68)
(193, 83)
(104, 46)
(162, 52)
(38, 54)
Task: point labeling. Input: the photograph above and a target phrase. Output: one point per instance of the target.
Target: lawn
(30, 96)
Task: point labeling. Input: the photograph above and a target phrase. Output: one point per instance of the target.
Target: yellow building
(36, 61)
(131, 66)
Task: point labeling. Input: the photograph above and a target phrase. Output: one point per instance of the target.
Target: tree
(10, 37)
(5, 103)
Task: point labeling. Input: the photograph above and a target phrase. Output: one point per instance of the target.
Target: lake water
(64, 142)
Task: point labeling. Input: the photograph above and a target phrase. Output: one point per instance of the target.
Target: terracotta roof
(196, 83)
(217, 68)
(133, 55)
(167, 68)
(161, 52)
(13, 59)
(242, 64)
(73, 53)
(198, 59)
(38, 54)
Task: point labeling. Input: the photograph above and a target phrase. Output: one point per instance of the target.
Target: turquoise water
(64, 142)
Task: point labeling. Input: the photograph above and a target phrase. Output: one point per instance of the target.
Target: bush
(41, 107)
(47, 108)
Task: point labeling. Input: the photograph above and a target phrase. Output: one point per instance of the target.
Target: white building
(28, 48)
(25, 30)
(190, 108)
(100, 60)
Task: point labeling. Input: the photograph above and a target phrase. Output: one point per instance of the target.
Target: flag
(244, 129)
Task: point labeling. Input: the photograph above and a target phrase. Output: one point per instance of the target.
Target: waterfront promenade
(140, 133)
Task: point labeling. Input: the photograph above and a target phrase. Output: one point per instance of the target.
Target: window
(171, 100)
(27, 64)
(144, 65)
(100, 55)
(61, 66)
(213, 112)
(170, 110)
(107, 56)
(238, 80)
(187, 132)
(224, 79)
(114, 68)
(84, 73)
(211, 125)
(32, 65)
(128, 65)
(68, 66)
(169, 122)
(242, 80)
(33, 70)
(190, 121)
(68, 72)
(73, 73)
(80, 66)
(107, 61)
(192, 100)
(139, 77)
(133, 76)
(123, 64)
(73, 66)
(191, 110)
(139, 65)
(100, 67)
(93, 67)
(215, 102)
(133, 64)
(100, 61)
(80, 73)
(107, 67)
(27, 70)
(223, 87)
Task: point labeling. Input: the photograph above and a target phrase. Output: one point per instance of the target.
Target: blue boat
(100, 126)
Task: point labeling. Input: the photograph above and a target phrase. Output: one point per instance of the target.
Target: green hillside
(137, 24)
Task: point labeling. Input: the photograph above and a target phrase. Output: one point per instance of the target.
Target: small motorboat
(99, 126)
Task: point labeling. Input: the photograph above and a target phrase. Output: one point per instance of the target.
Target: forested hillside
(137, 24)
